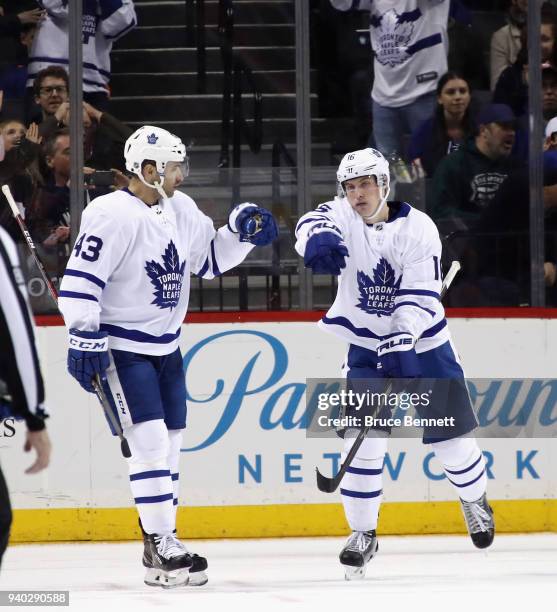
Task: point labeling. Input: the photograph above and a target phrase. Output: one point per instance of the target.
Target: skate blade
(166, 580)
(354, 573)
(198, 579)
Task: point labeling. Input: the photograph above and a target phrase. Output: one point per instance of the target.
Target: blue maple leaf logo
(393, 40)
(152, 139)
(377, 294)
(167, 279)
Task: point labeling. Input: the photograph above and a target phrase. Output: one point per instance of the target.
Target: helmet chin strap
(157, 185)
(372, 218)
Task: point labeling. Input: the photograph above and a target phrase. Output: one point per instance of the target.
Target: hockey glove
(397, 357)
(254, 224)
(325, 253)
(88, 356)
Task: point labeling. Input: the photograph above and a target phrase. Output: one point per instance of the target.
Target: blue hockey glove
(325, 253)
(88, 356)
(254, 224)
(397, 357)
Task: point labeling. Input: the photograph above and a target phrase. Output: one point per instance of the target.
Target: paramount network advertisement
(433, 409)
(255, 392)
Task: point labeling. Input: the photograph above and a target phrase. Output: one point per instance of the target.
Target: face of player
(499, 139)
(363, 194)
(455, 97)
(13, 132)
(174, 176)
(52, 93)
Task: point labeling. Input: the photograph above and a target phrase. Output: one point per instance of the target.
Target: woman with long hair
(448, 128)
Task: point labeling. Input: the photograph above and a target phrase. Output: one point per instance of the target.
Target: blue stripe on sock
(467, 484)
(175, 476)
(364, 471)
(360, 494)
(154, 499)
(150, 474)
(466, 469)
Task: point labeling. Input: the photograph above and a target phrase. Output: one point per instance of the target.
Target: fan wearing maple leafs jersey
(388, 308)
(410, 44)
(124, 297)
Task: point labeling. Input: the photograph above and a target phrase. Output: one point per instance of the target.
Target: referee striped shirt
(19, 362)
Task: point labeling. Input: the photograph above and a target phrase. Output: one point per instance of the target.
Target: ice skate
(360, 548)
(167, 564)
(479, 521)
(197, 574)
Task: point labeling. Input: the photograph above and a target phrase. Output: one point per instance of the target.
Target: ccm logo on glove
(83, 345)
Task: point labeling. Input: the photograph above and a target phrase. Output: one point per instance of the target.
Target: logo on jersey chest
(377, 294)
(167, 279)
(393, 39)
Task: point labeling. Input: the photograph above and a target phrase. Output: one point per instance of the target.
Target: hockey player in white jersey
(124, 296)
(387, 307)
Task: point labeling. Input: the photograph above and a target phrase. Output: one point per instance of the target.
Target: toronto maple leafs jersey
(103, 22)
(129, 272)
(410, 45)
(392, 279)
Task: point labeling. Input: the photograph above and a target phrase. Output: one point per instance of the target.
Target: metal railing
(196, 36)
(236, 74)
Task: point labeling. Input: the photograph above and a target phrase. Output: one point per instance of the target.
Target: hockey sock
(175, 442)
(464, 466)
(361, 488)
(150, 479)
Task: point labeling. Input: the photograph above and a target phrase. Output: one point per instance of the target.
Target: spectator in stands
(549, 91)
(13, 78)
(410, 53)
(104, 21)
(51, 89)
(449, 127)
(12, 25)
(48, 218)
(504, 251)
(512, 85)
(466, 181)
(104, 135)
(19, 168)
(506, 42)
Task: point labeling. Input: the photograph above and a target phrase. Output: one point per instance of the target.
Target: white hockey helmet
(157, 145)
(366, 162)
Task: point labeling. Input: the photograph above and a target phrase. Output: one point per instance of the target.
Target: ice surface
(434, 573)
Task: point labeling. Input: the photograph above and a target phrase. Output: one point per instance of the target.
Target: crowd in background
(34, 116)
(461, 132)
(456, 131)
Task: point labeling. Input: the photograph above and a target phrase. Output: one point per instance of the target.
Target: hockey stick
(96, 382)
(328, 485)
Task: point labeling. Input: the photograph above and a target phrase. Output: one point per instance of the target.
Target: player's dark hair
(146, 162)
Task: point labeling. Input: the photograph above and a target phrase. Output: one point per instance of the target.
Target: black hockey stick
(96, 382)
(328, 485)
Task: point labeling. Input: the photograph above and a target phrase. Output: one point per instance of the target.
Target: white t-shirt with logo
(392, 280)
(129, 272)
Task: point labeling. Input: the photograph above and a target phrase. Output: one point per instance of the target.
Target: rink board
(247, 468)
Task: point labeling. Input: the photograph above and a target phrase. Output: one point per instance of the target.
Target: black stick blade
(125, 448)
(327, 485)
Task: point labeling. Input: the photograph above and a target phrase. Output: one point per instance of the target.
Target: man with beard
(467, 180)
